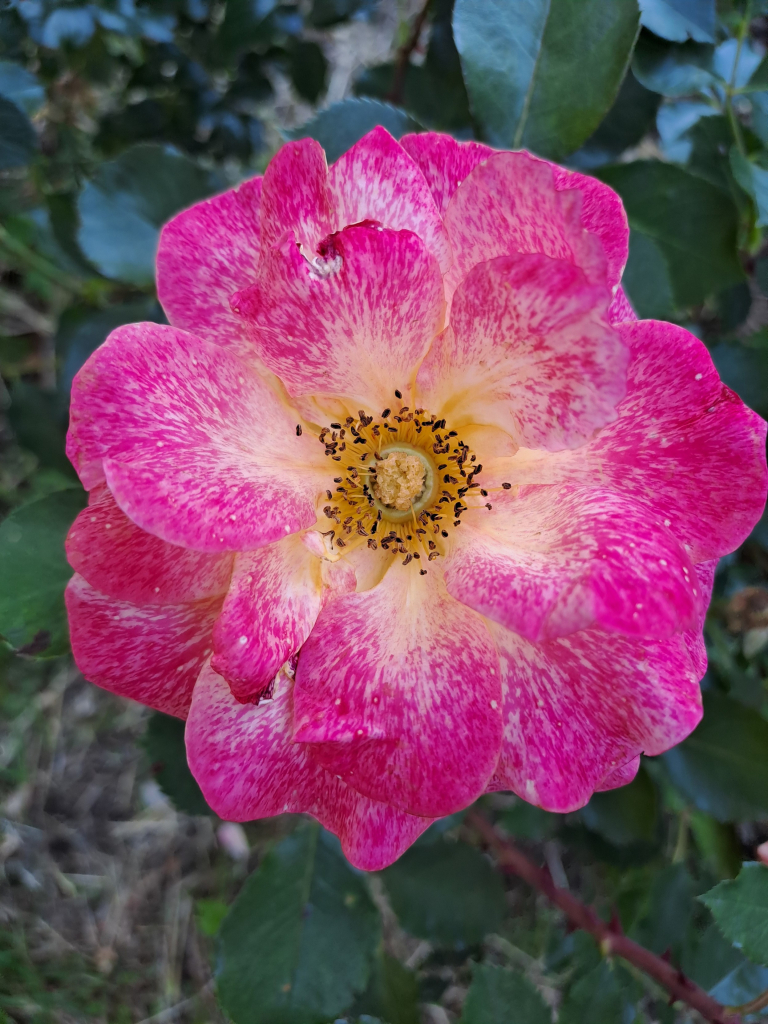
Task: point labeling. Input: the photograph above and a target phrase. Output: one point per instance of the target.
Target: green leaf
(708, 957)
(646, 278)
(679, 20)
(630, 118)
(692, 223)
(164, 744)
(392, 993)
(499, 996)
(664, 925)
(126, 203)
(754, 180)
(21, 87)
(38, 419)
(446, 892)
(244, 25)
(673, 70)
(18, 142)
(542, 75)
(745, 371)
(325, 13)
(82, 329)
(34, 571)
(308, 70)
(740, 907)
(297, 945)
(209, 914)
(340, 126)
(626, 815)
(605, 994)
(722, 768)
(529, 822)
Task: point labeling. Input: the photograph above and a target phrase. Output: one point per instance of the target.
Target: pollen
(398, 484)
(399, 480)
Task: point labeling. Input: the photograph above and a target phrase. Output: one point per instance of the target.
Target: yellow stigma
(399, 480)
(401, 483)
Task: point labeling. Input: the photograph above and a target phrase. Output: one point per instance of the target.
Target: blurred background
(114, 875)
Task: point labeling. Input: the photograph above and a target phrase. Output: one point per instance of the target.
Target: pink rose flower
(405, 506)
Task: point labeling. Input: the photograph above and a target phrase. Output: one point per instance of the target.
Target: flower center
(405, 480)
(401, 484)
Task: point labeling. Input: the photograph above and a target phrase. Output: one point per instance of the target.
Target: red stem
(404, 56)
(608, 936)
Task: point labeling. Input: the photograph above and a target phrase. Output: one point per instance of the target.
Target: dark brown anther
(335, 426)
(488, 505)
(398, 394)
(340, 543)
(416, 554)
(507, 487)
(385, 413)
(444, 533)
(298, 430)
(372, 543)
(336, 458)
(349, 419)
(484, 493)
(433, 555)
(329, 495)
(422, 572)
(408, 558)
(432, 545)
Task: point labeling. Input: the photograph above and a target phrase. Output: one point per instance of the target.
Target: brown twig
(404, 56)
(609, 936)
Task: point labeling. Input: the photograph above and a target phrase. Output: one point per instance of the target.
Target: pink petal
(620, 776)
(276, 595)
(552, 561)
(125, 563)
(510, 204)
(444, 162)
(248, 767)
(621, 309)
(152, 654)
(397, 692)
(683, 444)
(377, 180)
(296, 202)
(579, 708)
(206, 254)
(195, 446)
(694, 637)
(602, 213)
(357, 327)
(529, 350)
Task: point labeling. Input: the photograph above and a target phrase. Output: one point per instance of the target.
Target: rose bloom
(405, 505)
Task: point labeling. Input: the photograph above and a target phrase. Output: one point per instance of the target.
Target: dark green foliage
(740, 908)
(123, 208)
(34, 572)
(164, 746)
(495, 992)
(521, 62)
(626, 815)
(340, 126)
(447, 892)
(722, 768)
(114, 116)
(691, 223)
(298, 943)
(18, 141)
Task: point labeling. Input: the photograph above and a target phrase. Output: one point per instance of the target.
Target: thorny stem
(609, 937)
(404, 55)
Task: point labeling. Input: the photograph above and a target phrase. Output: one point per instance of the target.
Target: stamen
(400, 484)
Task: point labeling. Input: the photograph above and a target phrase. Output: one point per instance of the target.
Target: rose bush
(405, 505)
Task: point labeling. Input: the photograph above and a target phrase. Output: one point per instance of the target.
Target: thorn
(615, 922)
